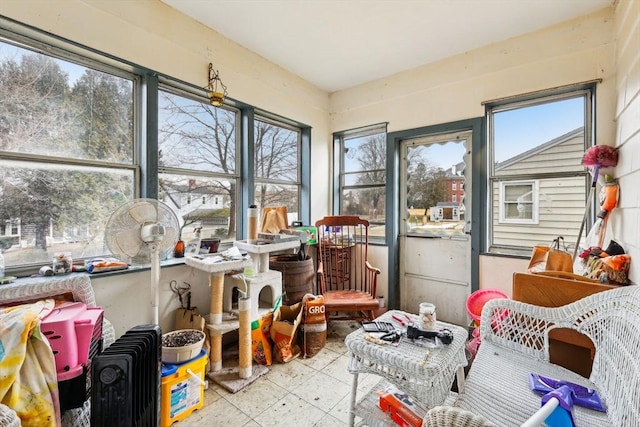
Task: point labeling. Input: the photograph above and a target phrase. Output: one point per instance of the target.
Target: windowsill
(172, 262)
(502, 255)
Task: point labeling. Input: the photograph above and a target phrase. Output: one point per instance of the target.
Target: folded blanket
(28, 381)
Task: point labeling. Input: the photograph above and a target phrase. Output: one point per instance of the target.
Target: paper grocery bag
(538, 260)
(274, 219)
(284, 330)
(558, 259)
(188, 318)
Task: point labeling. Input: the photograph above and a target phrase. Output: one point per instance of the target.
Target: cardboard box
(312, 234)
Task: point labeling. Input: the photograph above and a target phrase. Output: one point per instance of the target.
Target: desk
(426, 378)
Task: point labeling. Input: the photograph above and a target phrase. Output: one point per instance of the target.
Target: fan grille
(123, 233)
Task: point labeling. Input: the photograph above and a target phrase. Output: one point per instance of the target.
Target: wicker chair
(515, 342)
(346, 279)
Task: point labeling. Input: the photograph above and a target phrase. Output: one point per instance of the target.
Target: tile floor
(303, 392)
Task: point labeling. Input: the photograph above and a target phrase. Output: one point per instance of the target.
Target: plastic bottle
(1, 265)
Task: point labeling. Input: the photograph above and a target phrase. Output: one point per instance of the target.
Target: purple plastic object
(579, 395)
(564, 396)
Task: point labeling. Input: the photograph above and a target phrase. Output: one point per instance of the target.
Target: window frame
(265, 117)
(586, 90)
(535, 206)
(340, 175)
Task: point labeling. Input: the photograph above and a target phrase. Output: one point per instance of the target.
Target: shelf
(229, 323)
(266, 247)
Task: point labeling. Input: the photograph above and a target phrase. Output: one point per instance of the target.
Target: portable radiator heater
(126, 380)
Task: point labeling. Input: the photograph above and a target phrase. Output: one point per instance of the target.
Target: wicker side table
(426, 374)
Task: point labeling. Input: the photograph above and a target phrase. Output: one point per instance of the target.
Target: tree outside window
(277, 166)
(197, 146)
(69, 132)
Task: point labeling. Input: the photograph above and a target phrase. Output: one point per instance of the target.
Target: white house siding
(548, 159)
(561, 200)
(561, 208)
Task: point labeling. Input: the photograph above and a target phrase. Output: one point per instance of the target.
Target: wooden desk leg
(216, 283)
(352, 403)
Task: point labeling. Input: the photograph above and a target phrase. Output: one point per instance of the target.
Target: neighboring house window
(454, 186)
(197, 158)
(362, 158)
(519, 202)
(277, 156)
(454, 198)
(537, 183)
(67, 148)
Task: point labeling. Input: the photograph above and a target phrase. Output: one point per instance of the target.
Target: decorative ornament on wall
(216, 90)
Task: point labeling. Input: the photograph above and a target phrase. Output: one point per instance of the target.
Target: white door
(434, 243)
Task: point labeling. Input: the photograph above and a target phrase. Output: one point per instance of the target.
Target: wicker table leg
(352, 404)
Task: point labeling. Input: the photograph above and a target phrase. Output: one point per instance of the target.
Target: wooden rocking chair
(346, 279)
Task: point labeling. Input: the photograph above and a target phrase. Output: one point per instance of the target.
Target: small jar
(427, 316)
(62, 264)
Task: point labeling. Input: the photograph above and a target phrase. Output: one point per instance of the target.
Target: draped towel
(28, 381)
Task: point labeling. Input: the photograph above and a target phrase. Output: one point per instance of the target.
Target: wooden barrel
(297, 276)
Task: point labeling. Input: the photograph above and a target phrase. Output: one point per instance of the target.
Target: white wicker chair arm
(518, 326)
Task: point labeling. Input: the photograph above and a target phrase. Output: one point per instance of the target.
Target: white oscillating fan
(143, 227)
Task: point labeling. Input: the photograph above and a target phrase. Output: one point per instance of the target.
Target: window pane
(435, 185)
(363, 160)
(541, 141)
(276, 152)
(201, 202)
(364, 154)
(56, 108)
(195, 135)
(540, 138)
(49, 210)
(278, 195)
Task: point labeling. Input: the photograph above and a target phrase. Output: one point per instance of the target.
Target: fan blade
(170, 237)
(144, 212)
(129, 242)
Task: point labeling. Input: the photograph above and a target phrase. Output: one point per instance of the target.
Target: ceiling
(337, 44)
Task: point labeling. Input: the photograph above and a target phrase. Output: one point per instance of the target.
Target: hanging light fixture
(216, 90)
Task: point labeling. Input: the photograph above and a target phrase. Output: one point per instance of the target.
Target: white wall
(624, 222)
